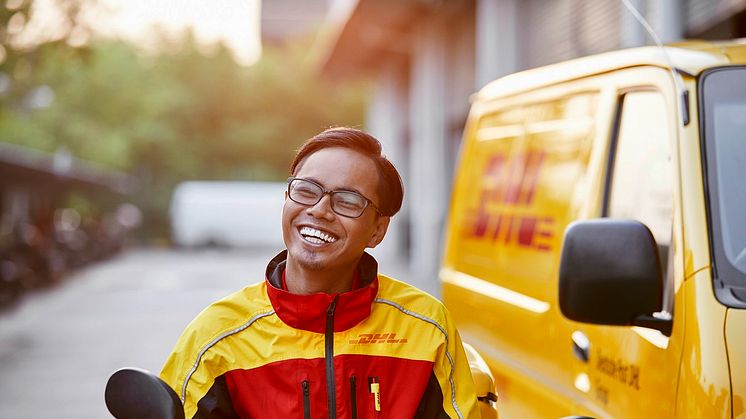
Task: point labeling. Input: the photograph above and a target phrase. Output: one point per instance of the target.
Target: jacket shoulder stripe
(413, 314)
(448, 355)
(214, 342)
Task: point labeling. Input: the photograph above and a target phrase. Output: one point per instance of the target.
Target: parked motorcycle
(133, 393)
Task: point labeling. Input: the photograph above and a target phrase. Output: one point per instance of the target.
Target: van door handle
(580, 345)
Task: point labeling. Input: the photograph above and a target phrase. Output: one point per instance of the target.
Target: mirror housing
(610, 274)
(133, 393)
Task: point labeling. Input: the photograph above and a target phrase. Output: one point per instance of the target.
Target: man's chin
(311, 264)
(309, 260)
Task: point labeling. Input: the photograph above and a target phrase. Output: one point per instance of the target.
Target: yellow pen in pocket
(375, 388)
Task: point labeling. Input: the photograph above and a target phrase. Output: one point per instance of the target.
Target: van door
(632, 371)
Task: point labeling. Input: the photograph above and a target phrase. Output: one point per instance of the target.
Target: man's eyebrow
(343, 188)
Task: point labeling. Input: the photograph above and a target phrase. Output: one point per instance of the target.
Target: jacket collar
(308, 312)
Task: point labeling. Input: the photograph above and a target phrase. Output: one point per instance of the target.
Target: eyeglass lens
(349, 204)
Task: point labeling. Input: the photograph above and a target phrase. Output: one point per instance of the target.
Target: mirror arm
(663, 325)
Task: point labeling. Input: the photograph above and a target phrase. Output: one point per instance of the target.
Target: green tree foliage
(179, 114)
(21, 50)
(182, 114)
(15, 60)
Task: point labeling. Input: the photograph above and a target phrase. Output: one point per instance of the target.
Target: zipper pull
(375, 388)
(306, 400)
(332, 306)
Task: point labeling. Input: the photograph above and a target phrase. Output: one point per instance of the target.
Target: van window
(641, 186)
(730, 151)
(724, 95)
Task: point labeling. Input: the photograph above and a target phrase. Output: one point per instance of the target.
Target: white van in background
(234, 214)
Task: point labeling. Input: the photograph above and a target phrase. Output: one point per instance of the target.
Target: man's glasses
(345, 203)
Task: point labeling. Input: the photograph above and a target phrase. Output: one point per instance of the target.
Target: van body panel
(515, 373)
(541, 149)
(693, 225)
(735, 325)
(632, 370)
(704, 383)
(520, 154)
(687, 60)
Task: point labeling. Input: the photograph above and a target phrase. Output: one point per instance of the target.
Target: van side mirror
(610, 274)
(133, 393)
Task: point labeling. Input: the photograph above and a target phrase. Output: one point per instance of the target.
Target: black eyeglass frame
(324, 191)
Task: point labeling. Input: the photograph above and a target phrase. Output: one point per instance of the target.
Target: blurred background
(144, 147)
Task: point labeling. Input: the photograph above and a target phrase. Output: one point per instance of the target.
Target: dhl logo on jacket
(386, 349)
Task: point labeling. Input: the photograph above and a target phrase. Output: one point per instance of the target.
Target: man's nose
(323, 208)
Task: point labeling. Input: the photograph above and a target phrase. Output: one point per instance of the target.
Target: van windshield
(723, 93)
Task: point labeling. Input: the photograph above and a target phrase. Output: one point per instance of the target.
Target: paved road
(58, 348)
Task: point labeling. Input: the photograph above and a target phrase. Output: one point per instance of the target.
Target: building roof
(371, 29)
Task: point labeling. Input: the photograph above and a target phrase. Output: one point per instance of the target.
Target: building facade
(285, 19)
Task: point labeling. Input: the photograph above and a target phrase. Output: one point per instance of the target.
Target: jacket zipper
(306, 400)
(331, 391)
(353, 396)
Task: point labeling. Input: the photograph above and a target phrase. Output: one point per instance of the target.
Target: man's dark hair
(390, 188)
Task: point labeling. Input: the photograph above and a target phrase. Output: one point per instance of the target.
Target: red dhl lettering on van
(508, 188)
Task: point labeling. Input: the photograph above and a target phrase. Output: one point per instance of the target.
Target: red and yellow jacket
(385, 349)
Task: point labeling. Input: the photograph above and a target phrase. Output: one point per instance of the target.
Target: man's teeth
(316, 236)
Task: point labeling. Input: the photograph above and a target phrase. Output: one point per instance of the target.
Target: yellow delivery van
(596, 247)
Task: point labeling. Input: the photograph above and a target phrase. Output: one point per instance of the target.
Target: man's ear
(382, 225)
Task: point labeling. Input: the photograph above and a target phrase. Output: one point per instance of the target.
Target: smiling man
(325, 335)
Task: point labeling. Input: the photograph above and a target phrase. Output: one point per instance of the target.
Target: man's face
(342, 240)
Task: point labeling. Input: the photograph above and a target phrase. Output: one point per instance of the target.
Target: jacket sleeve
(208, 397)
(450, 392)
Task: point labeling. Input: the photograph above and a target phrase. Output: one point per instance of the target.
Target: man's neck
(331, 281)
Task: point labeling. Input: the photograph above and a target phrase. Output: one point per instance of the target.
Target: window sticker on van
(723, 94)
(507, 191)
